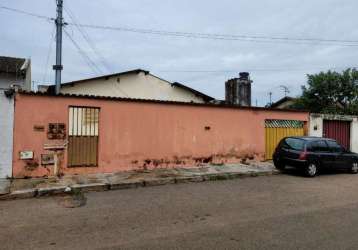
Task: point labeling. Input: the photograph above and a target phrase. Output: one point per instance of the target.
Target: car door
(322, 152)
(342, 157)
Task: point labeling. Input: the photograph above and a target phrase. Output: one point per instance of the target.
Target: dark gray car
(313, 153)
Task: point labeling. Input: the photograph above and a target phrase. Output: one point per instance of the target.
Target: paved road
(277, 212)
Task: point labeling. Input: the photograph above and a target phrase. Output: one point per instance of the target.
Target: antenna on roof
(270, 94)
(285, 89)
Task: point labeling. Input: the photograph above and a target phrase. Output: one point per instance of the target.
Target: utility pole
(59, 24)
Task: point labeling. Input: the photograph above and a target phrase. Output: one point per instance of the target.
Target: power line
(227, 37)
(87, 38)
(27, 13)
(212, 36)
(255, 70)
(49, 54)
(87, 59)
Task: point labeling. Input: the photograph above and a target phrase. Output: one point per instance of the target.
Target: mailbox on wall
(56, 131)
(26, 155)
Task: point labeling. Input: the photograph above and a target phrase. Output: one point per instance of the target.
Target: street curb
(93, 187)
(158, 182)
(49, 191)
(20, 194)
(188, 179)
(127, 184)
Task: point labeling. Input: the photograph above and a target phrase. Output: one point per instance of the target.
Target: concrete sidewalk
(38, 187)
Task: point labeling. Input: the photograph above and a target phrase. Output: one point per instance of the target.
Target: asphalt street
(274, 212)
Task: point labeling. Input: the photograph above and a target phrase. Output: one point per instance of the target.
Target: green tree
(330, 92)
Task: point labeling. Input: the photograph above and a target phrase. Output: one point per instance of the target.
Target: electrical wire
(256, 70)
(212, 36)
(86, 58)
(49, 51)
(226, 37)
(27, 13)
(87, 38)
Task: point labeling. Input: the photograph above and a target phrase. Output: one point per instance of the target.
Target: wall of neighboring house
(6, 126)
(28, 77)
(6, 80)
(6, 135)
(134, 85)
(137, 135)
(317, 126)
(7, 117)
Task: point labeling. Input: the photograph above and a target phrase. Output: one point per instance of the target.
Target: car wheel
(279, 165)
(311, 170)
(354, 168)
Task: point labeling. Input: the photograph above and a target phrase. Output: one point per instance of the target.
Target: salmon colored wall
(137, 135)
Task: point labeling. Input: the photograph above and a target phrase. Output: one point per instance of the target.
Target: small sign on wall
(47, 159)
(26, 155)
(39, 128)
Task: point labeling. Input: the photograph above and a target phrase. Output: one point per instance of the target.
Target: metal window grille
(83, 136)
(284, 124)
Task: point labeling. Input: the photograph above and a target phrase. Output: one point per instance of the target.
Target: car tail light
(303, 155)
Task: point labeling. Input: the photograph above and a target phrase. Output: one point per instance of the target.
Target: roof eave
(197, 93)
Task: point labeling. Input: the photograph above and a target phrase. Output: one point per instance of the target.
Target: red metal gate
(338, 130)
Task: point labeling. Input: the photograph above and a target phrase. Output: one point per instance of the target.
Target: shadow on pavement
(322, 172)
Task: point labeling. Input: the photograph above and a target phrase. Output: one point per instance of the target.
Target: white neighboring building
(14, 73)
(137, 84)
(343, 128)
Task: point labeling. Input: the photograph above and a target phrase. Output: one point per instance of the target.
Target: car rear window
(296, 144)
(334, 146)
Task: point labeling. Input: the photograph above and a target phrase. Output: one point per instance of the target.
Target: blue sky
(212, 61)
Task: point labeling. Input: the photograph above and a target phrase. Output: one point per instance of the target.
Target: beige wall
(141, 86)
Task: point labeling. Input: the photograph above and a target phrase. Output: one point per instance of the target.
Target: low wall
(142, 134)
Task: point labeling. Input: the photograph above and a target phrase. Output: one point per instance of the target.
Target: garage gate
(339, 131)
(276, 130)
